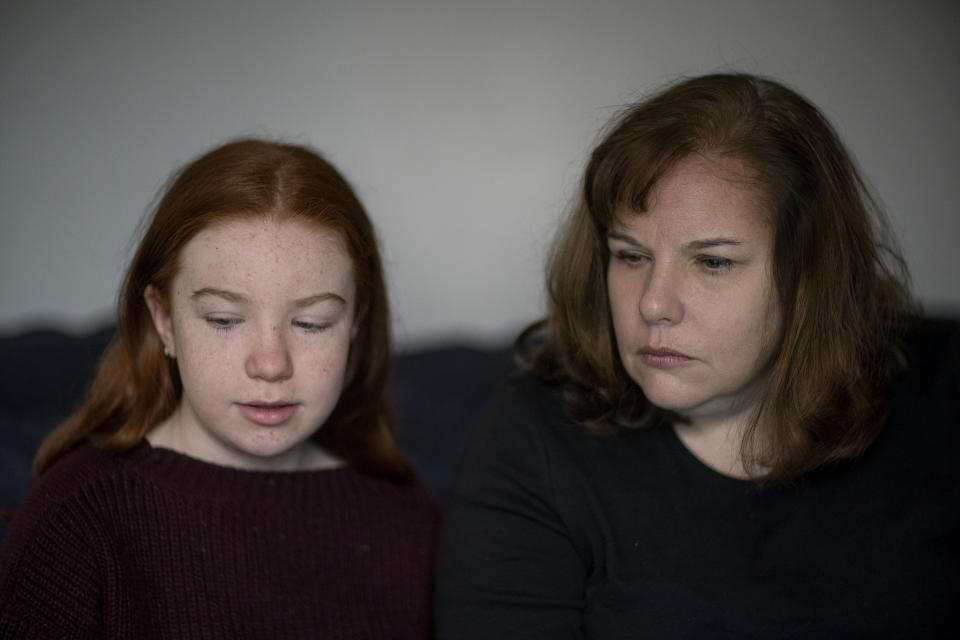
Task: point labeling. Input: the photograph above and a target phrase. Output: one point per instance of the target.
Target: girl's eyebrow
(229, 296)
(232, 296)
(310, 300)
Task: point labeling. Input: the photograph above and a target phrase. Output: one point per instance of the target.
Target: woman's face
(694, 307)
(260, 322)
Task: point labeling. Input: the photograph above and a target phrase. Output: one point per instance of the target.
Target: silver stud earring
(166, 352)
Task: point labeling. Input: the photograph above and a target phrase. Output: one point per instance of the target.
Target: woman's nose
(269, 359)
(660, 300)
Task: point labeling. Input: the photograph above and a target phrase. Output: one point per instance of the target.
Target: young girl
(231, 473)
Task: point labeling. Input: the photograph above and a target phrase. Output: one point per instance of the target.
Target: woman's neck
(717, 442)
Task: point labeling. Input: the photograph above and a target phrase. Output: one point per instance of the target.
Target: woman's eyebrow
(693, 245)
(707, 243)
(619, 236)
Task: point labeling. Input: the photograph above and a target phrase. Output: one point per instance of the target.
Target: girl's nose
(270, 359)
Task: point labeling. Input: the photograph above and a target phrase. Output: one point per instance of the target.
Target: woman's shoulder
(528, 405)
(934, 341)
(528, 398)
(925, 399)
(525, 430)
(524, 409)
(932, 349)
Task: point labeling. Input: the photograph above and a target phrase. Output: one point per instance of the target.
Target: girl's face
(690, 283)
(260, 322)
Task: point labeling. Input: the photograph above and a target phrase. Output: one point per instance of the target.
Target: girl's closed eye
(311, 327)
(222, 323)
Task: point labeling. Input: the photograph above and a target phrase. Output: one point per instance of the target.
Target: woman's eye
(715, 263)
(630, 257)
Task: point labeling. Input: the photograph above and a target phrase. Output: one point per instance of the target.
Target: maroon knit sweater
(154, 544)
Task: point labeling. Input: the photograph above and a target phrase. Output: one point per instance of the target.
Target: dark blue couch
(437, 393)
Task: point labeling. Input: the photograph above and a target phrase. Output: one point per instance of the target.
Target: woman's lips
(663, 358)
(267, 414)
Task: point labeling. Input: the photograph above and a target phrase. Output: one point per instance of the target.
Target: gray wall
(463, 126)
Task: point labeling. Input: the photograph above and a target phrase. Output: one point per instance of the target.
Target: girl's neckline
(192, 476)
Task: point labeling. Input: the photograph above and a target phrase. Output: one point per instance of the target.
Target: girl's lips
(267, 415)
(663, 358)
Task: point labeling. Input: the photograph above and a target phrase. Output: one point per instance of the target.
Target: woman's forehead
(700, 194)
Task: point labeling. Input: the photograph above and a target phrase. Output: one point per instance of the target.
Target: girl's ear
(358, 318)
(161, 319)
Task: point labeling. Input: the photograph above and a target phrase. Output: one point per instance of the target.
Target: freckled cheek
(204, 370)
(323, 363)
(217, 358)
(208, 363)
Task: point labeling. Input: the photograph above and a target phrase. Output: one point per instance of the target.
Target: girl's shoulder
(74, 488)
(55, 545)
(73, 475)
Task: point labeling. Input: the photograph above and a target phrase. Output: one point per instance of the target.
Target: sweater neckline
(191, 476)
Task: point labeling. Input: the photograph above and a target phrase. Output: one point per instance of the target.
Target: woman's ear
(161, 319)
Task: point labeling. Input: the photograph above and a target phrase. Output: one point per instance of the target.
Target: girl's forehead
(267, 257)
(265, 229)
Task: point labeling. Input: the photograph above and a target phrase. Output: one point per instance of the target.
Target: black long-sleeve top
(553, 532)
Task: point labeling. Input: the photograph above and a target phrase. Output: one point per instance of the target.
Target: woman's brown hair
(136, 387)
(842, 287)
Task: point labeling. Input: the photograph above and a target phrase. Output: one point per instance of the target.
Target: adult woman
(232, 472)
(715, 436)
